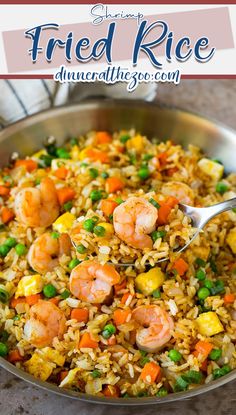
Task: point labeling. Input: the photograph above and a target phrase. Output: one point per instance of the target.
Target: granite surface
(214, 98)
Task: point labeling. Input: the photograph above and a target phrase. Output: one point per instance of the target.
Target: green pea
(20, 249)
(221, 188)
(99, 230)
(93, 173)
(203, 293)
(62, 153)
(156, 293)
(200, 274)
(89, 224)
(4, 296)
(3, 349)
(11, 242)
(73, 263)
(4, 336)
(162, 392)
(154, 203)
(108, 330)
(96, 195)
(174, 355)
(55, 235)
(49, 291)
(147, 157)
(96, 374)
(208, 284)
(65, 294)
(124, 138)
(143, 173)
(4, 249)
(45, 160)
(215, 354)
(81, 249)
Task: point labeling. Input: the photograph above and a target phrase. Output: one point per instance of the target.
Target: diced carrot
(14, 301)
(63, 374)
(108, 206)
(87, 341)
(97, 155)
(113, 184)
(121, 286)
(204, 348)
(103, 137)
(33, 299)
(65, 194)
(170, 172)
(162, 157)
(7, 215)
(80, 314)
(4, 191)
(125, 298)
(151, 372)
(54, 300)
(30, 165)
(163, 213)
(61, 173)
(171, 201)
(14, 356)
(203, 364)
(180, 266)
(112, 340)
(111, 391)
(120, 316)
(229, 298)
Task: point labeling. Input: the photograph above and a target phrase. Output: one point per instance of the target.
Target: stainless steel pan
(151, 119)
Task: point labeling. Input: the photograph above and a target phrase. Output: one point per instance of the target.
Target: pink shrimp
(179, 190)
(44, 253)
(92, 282)
(46, 322)
(154, 327)
(37, 207)
(133, 220)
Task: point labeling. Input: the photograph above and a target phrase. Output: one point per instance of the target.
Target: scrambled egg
(231, 240)
(29, 285)
(136, 143)
(212, 168)
(71, 378)
(64, 222)
(149, 281)
(39, 367)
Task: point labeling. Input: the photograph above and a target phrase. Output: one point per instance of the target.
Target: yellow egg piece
(29, 285)
(38, 367)
(64, 222)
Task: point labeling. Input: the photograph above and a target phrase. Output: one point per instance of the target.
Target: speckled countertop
(214, 98)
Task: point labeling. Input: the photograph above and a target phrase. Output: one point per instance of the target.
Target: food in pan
(72, 312)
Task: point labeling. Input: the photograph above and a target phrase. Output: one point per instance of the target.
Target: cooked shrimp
(180, 190)
(46, 322)
(44, 253)
(133, 220)
(37, 207)
(154, 329)
(92, 282)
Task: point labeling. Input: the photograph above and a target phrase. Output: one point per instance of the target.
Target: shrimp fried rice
(72, 312)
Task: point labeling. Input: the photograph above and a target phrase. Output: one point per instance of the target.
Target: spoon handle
(214, 210)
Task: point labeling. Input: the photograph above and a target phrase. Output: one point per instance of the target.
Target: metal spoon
(199, 218)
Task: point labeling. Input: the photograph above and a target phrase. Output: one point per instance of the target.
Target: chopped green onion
(4, 296)
(180, 384)
(193, 376)
(96, 374)
(4, 336)
(200, 262)
(96, 195)
(234, 210)
(208, 284)
(3, 349)
(119, 200)
(157, 234)
(217, 373)
(143, 361)
(46, 160)
(213, 265)
(67, 206)
(11, 242)
(143, 353)
(124, 138)
(162, 392)
(147, 157)
(73, 141)
(104, 175)
(84, 164)
(154, 203)
(51, 149)
(156, 293)
(218, 288)
(62, 153)
(108, 330)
